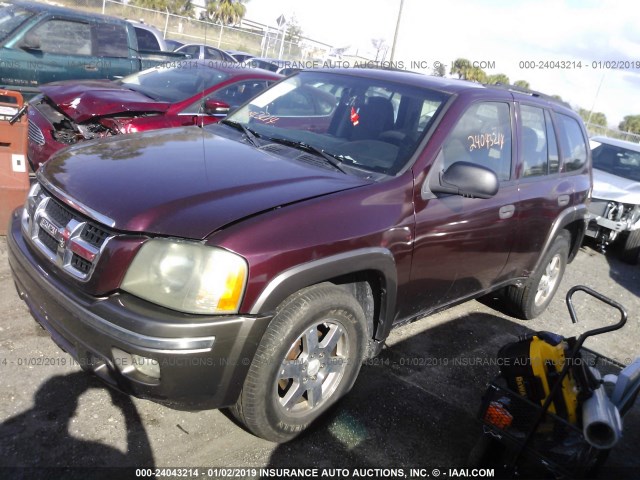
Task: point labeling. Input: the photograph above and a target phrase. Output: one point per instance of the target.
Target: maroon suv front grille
(68, 239)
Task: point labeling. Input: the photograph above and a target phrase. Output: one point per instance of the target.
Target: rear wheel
(309, 357)
(631, 248)
(531, 300)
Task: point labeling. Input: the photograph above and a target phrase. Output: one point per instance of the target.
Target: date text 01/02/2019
(579, 65)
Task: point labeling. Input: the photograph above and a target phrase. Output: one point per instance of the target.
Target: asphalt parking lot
(414, 406)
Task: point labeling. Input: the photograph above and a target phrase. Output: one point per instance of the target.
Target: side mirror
(31, 41)
(468, 180)
(216, 107)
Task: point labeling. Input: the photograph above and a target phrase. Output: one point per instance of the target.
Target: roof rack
(528, 91)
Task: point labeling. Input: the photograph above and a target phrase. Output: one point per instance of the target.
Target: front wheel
(531, 300)
(309, 357)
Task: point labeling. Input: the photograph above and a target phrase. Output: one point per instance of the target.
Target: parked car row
(66, 113)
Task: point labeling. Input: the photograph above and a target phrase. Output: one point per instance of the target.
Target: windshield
(174, 83)
(369, 124)
(12, 17)
(617, 161)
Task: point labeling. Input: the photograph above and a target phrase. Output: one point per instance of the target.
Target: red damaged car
(184, 93)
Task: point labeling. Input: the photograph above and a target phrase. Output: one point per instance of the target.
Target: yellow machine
(531, 366)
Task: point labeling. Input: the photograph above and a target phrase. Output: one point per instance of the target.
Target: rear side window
(533, 142)
(111, 40)
(64, 37)
(146, 40)
(554, 159)
(573, 143)
(482, 136)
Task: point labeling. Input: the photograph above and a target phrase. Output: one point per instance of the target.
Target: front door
(462, 244)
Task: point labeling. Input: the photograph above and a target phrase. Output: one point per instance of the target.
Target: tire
(631, 248)
(308, 358)
(531, 300)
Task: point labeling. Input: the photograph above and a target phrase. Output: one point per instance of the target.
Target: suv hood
(184, 182)
(607, 186)
(84, 100)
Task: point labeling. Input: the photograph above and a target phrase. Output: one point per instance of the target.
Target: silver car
(615, 204)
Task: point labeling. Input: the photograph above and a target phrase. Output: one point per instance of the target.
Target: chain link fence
(593, 130)
(252, 37)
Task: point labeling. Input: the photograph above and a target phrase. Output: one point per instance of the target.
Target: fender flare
(570, 215)
(313, 272)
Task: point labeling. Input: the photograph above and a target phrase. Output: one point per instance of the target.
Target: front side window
(482, 136)
(371, 125)
(64, 37)
(574, 146)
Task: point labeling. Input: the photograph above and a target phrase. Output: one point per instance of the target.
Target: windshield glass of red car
(175, 83)
(364, 122)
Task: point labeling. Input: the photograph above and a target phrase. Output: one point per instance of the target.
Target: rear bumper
(203, 360)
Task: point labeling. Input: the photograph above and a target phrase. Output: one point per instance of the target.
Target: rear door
(547, 179)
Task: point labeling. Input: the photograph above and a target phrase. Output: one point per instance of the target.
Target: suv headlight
(188, 277)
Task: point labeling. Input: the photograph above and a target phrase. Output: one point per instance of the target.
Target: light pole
(395, 35)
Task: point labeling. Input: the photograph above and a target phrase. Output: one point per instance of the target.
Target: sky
(603, 35)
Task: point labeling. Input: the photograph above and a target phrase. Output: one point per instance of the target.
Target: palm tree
(460, 67)
(227, 12)
(498, 78)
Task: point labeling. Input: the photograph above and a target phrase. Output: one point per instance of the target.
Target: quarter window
(146, 40)
(483, 137)
(574, 147)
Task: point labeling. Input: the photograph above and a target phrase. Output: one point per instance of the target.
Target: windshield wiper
(332, 159)
(250, 134)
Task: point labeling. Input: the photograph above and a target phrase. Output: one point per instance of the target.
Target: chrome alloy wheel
(313, 368)
(549, 280)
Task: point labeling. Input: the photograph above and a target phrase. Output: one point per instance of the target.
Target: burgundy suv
(256, 262)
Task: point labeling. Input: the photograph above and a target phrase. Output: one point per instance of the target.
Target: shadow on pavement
(418, 401)
(37, 442)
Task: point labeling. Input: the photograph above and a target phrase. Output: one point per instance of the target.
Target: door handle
(563, 200)
(91, 68)
(507, 211)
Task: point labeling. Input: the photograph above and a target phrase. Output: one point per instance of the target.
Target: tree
(498, 78)
(630, 123)
(476, 74)
(177, 7)
(226, 12)
(522, 84)
(439, 70)
(380, 45)
(460, 67)
(596, 122)
(293, 32)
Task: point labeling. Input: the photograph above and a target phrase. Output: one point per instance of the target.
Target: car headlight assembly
(188, 277)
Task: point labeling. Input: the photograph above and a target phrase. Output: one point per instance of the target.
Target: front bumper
(627, 222)
(203, 359)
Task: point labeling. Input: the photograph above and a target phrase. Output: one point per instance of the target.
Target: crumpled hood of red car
(84, 100)
(185, 182)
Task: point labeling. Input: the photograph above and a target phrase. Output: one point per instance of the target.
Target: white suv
(615, 204)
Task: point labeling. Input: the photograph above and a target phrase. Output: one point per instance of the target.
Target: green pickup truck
(40, 43)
